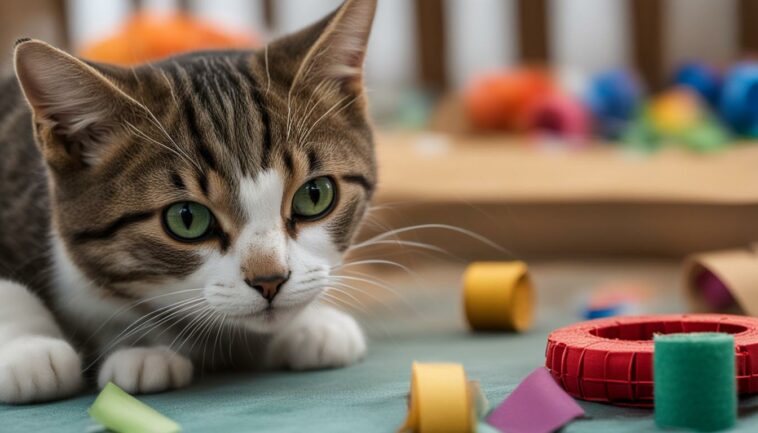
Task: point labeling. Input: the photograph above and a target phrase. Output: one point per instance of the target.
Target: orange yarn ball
(146, 37)
(498, 101)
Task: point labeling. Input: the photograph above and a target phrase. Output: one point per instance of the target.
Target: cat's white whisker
(189, 330)
(340, 303)
(417, 279)
(186, 311)
(308, 112)
(205, 329)
(373, 262)
(134, 305)
(460, 230)
(268, 70)
(368, 292)
(400, 242)
(220, 327)
(358, 305)
(176, 152)
(184, 307)
(342, 287)
(183, 311)
(144, 321)
(231, 335)
(154, 120)
(327, 113)
(365, 280)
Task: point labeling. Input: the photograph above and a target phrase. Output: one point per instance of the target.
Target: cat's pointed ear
(337, 46)
(76, 108)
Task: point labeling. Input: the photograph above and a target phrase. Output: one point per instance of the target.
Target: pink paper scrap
(537, 405)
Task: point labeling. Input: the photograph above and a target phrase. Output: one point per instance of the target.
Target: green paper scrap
(120, 412)
(694, 381)
(481, 404)
(483, 427)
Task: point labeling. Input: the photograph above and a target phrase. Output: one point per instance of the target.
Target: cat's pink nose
(267, 285)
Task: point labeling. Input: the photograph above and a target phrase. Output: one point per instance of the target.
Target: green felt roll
(694, 381)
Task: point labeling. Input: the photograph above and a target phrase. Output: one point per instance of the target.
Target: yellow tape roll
(498, 296)
(440, 400)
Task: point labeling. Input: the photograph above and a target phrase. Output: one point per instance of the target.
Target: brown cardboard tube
(737, 270)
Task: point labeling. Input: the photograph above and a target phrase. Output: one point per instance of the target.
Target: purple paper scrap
(537, 405)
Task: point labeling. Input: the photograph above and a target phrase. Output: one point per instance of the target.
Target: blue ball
(701, 78)
(613, 97)
(739, 99)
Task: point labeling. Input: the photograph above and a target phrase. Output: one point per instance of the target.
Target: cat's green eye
(188, 221)
(314, 199)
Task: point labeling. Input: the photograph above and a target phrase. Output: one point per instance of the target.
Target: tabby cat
(180, 216)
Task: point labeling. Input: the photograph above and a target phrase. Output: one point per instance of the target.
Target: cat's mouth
(268, 314)
(266, 320)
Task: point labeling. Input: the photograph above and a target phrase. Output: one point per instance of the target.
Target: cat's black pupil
(186, 215)
(313, 192)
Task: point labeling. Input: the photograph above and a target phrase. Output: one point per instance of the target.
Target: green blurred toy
(676, 117)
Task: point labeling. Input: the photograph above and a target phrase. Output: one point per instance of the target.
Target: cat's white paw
(323, 338)
(142, 370)
(36, 369)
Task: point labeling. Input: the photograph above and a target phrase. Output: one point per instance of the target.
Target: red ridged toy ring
(611, 360)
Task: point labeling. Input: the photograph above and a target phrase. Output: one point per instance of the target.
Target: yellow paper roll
(498, 296)
(440, 400)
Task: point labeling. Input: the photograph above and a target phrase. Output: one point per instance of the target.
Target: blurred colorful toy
(680, 117)
(497, 101)
(605, 310)
(613, 97)
(675, 111)
(702, 111)
(558, 115)
(146, 37)
(739, 99)
(703, 79)
(615, 299)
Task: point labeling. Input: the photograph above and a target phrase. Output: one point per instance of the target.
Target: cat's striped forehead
(230, 115)
(235, 112)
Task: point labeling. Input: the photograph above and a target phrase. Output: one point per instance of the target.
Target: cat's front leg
(144, 370)
(321, 337)
(36, 362)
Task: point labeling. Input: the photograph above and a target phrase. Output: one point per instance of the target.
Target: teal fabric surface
(371, 397)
